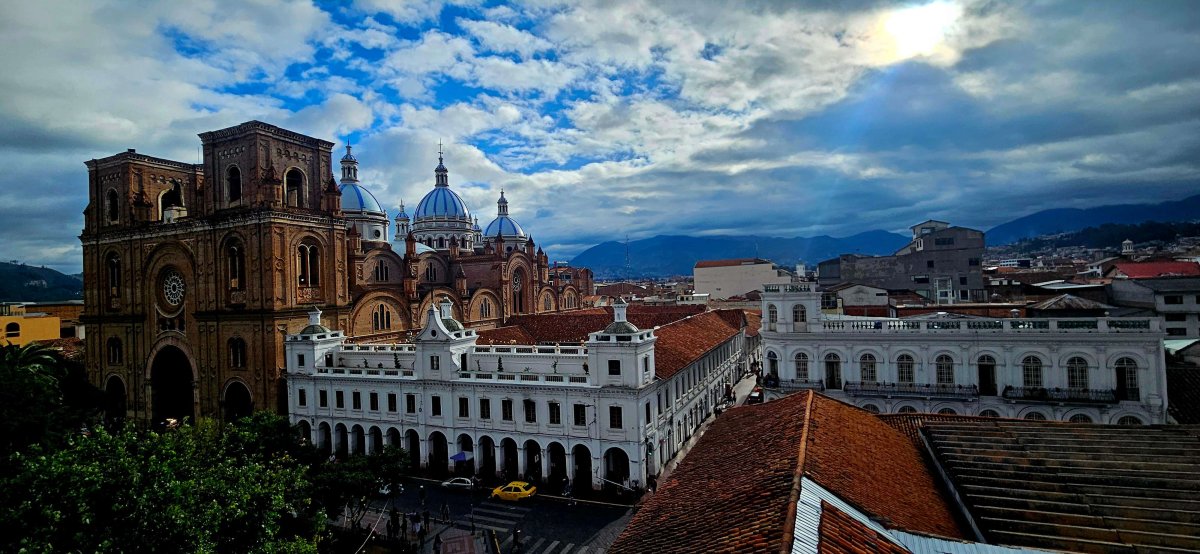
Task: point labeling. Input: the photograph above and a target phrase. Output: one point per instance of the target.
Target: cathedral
(194, 274)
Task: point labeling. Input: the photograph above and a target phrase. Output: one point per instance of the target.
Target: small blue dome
(358, 199)
(442, 203)
(504, 226)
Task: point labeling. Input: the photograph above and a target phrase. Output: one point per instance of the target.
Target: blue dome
(358, 199)
(504, 226)
(442, 203)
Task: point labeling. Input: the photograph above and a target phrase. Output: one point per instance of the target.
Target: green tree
(43, 398)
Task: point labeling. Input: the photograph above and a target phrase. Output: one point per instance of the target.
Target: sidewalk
(740, 391)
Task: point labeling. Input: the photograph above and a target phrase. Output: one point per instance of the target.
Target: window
(802, 366)
(973, 262)
(772, 364)
(435, 363)
(871, 408)
(1127, 368)
(506, 410)
(1077, 373)
(116, 352)
(112, 264)
(962, 281)
(579, 415)
(546, 306)
(866, 364)
(943, 241)
(556, 413)
(381, 318)
(1177, 331)
(301, 397)
(1175, 317)
(391, 402)
(329, 360)
(382, 272)
(464, 407)
(945, 369)
(614, 367)
(989, 413)
(829, 301)
(905, 368)
(1031, 372)
(235, 260)
(339, 400)
(614, 417)
(356, 400)
(294, 180)
(485, 408)
(772, 317)
(1129, 420)
(1035, 416)
(112, 206)
(833, 371)
(1173, 299)
(308, 265)
(410, 403)
(237, 353)
(485, 308)
(648, 412)
(530, 409)
(323, 398)
(798, 314)
(233, 183)
(300, 360)
(1080, 418)
(906, 410)
(373, 401)
(435, 406)
(929, 264)
(947, 411)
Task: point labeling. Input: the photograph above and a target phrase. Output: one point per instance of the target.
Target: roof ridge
(789, 523)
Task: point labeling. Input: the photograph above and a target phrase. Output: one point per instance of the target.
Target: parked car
(756, 396)
(464, 483)
(515, 490)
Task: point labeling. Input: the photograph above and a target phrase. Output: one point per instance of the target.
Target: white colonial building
(1092, 370)
(604, 410)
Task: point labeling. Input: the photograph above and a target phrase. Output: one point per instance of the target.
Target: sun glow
(921, 30)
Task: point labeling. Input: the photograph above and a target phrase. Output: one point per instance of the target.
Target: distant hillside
(1110, 235)
(25, 283)
(1064, 220)
(667, 255)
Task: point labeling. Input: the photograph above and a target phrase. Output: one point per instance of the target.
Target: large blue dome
(358, 199)
(442, 203)
(504, 226)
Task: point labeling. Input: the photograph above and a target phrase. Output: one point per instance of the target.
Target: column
(499, 458)
(545, 466)
(522, 462)
(570, 457)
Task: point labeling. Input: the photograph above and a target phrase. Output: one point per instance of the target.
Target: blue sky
(612, 118)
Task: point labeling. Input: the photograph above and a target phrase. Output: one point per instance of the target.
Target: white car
(386, 489)
(458, 483)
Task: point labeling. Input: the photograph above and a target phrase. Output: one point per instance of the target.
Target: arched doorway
(375, 441)
(508, 449)
(558, 465)
(237, 402)
(339, 440)
(533, 461)
(393, 438)
(324, 438)
(114, 401)
(616, 466)
(172, 393)
(439, 457)
(305, 431)
(833, 371)
(464, 459)
(486, 457)
(414, 448)
(359, 442)
(581, 477)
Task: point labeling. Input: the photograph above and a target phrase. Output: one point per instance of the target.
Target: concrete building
(942, 263)
(1083, 370)
(614, 408)
(1175, 299)
(721, 279)
(21, 327)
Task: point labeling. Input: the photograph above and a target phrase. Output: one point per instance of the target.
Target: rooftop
(731, 262)
(1146, 270)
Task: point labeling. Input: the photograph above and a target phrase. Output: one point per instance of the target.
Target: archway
(533, 461)
(581, 477)
(172, 386)
(508, 449)
(393, 438)
(237, 403)
(616, 466)
(114, 401)
(414, 448)
(305, 431)
(339, 440)
(324, 438)
(358, 443)
(439, 457)
(464, 459)
(486, 457)
(558, 465)
(375, 441)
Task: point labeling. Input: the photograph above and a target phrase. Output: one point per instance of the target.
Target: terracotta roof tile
(575, 326)
(511, 334)
(841, 534)
(686, 340)
(1143, 270)
(910, 424)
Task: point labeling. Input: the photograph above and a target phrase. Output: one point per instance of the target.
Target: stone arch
(395, 267)
(233, 183)
(476, 307)
(305, 431)
(295, 187)
(112, 206)
(115, 394)
(556, 454)
(907, 408)
(358, 440)
(361, 321)
(1074, 415)
(1024, 413)
(324, 438)
(582, 473)
(439, 454)
(374, 440)
(508, 457)
(341, 440)
(412, 441)
(617, 465)
(485, 456)
(545, 302)
(533, 452)
(440, 272)
(392, 438)
(236, 400)
(1126, 418)
(173, 378)
(570, 298)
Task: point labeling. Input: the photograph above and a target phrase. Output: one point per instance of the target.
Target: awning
(462, 457)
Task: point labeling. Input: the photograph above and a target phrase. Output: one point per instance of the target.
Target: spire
(349, 167)
(440, 173)
(501, 205)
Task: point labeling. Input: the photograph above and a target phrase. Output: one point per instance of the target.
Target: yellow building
(22, 328)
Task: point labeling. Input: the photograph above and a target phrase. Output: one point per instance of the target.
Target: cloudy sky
(612, 118)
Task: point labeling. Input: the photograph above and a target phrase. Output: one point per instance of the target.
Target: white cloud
(498, 37)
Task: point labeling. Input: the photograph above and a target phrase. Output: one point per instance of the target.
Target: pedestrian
(437, 545)
(391, 530)
(445, 513)
(421, 535)
(404, 525)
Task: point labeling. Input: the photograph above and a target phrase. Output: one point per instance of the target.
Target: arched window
(1031, 373)
(1127, 379)
(986, 373)
(798, 314)
(294, 180)
(441, 242)
(871, 408)
(833, 371)
(1077, 373)
(233, 183)
(237, 353)
(866, 364)
(1130, 420)
(12, 330)
(382, 272)
(989, 413)
(802, 366)
(485, 308)
(945, 369)
(1035, 416)
(235, 260)
(546, 304)
(1080, 418)
(116, 352)
(430, 273)
(772, 363)
(308, 265)
(112, 267)
(906, 410)
(381, 318)
(772, 317)
(947, 411)
(112, 206)
(904, 368)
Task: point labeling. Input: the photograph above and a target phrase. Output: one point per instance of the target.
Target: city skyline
(606, 120)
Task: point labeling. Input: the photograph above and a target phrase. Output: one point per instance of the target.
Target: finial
(439, 150)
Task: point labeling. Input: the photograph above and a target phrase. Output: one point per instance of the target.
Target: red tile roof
(686, 340)
(1146, 270)
(505, 335)
(841, 534)
(732, 262)
(736, 490)
(910, 424)
(575, 326)
(753, 322)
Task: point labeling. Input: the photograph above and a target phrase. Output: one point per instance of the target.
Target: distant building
(1175, 299)
(21, 327)
(721, 279)
(856, 299)
(1084, 370)
(942, 263)
(1152, 269)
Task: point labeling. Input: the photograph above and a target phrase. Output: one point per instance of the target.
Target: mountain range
(26, 283)
(1063, 220)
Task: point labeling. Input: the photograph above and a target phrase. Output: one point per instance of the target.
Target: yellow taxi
(515, 490)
